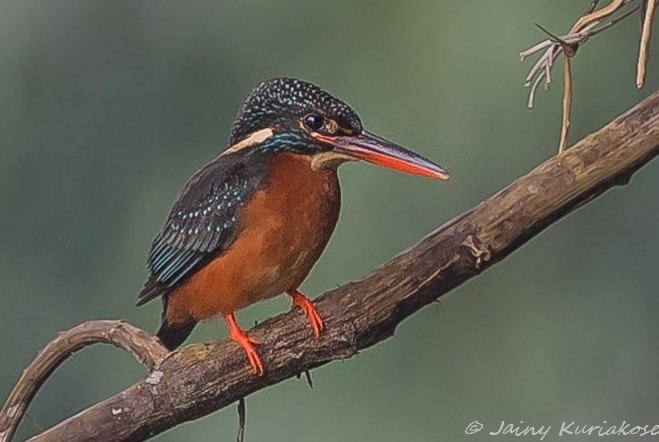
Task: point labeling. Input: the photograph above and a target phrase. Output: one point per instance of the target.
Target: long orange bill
(377, 150)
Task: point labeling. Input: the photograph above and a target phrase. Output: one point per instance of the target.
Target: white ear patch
(254, 138)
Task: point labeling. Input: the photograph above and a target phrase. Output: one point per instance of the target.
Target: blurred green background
(106, 108)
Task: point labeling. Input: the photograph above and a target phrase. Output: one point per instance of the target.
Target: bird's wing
(202, 223)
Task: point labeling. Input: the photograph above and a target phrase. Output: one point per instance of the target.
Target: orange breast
(282, 232)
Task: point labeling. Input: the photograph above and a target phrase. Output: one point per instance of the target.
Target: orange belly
(281, 233)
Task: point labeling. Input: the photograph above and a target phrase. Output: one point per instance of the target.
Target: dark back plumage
(203, 220)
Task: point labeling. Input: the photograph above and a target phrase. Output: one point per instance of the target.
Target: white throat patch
(329, 159)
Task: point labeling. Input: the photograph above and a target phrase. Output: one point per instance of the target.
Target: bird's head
(290, 115)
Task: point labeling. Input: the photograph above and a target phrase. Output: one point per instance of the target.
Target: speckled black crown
(282, 101)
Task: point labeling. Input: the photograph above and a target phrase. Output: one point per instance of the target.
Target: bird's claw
(309, 310)
(241, 338)
(247, 344)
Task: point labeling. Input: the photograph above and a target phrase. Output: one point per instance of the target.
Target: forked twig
(144, 347)
(585, 27)
(541, 70)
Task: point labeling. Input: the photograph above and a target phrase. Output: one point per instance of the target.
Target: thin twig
(307, 375)
(644, 50)
(567, 104)
(598, 15)
(614, 21)
(241, 420)
(569, 51)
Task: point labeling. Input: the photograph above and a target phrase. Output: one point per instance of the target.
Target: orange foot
(247, 343)
(307, 307)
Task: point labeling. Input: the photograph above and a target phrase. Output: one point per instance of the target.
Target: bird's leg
(307, 307)
(247, 343)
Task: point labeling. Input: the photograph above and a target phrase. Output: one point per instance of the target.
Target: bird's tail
(173, 335)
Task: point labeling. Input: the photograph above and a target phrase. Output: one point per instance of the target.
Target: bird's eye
(314, 121)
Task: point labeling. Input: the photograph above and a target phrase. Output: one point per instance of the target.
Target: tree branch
(200, 379)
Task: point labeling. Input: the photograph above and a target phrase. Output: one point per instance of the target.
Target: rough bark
(203, 378)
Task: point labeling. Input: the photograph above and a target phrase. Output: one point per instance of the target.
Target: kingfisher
(251, 223)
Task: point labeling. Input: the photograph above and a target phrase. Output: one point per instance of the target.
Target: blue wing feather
(202, 223)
